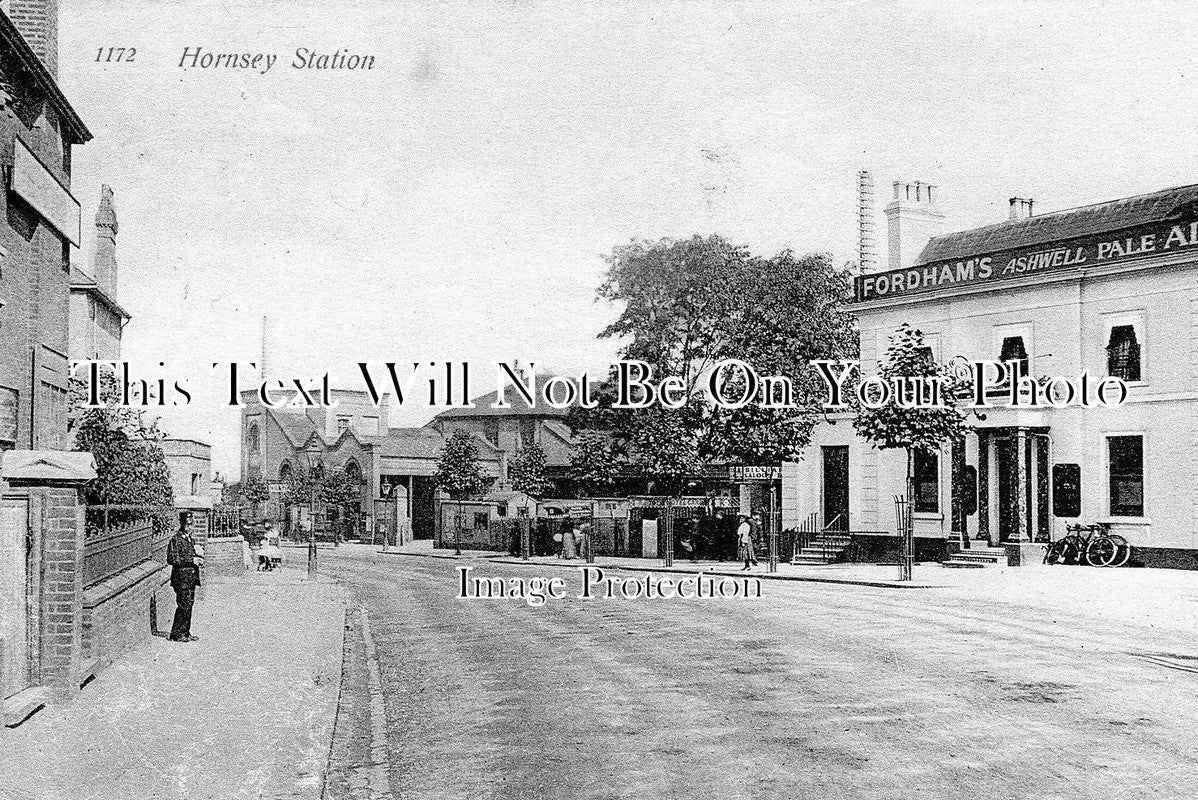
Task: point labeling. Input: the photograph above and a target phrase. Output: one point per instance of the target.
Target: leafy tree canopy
(458, 469)
(528, 472)
(923, 429)
(594, 464)
(689, 305)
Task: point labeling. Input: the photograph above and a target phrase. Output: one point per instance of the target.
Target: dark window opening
(1014, 350)
(253, 438)
(481, 520)
(1126, 459)
(1123, 353)
(927, 482)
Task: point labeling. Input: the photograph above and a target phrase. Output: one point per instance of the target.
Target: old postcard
(635, 400)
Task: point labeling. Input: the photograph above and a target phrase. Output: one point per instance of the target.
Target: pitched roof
(80, 281)
(296, 427)
(517, 408)
(1114, 215)
(12, 40)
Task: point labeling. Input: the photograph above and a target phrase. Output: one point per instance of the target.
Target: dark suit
(185, 576)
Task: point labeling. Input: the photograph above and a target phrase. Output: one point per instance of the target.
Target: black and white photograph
(522, 400)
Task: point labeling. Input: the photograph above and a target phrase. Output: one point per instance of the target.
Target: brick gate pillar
(52, 480)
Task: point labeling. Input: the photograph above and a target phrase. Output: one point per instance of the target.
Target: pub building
(1110, 290)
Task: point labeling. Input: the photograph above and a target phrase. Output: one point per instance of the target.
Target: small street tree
(914, 429)
(593, 464)
(255, 491)
(460, 474)
(528, 472)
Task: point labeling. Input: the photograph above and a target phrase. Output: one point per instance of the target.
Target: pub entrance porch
(1012, 499)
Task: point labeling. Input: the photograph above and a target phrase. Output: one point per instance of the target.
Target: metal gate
(14, 597)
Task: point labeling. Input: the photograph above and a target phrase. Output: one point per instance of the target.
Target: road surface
(812, 690)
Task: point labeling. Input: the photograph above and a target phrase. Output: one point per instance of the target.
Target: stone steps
(977, 558)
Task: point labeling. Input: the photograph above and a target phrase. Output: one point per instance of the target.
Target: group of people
(572, 541)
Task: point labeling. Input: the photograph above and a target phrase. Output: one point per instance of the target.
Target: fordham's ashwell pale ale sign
(1154, 238)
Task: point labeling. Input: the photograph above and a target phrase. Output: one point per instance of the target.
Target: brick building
(508, 430)
(71, 598)
(393, 466)
(96, 319)
(38, 128)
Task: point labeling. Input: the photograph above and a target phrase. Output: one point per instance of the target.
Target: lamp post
(525, 530)
(315, 474)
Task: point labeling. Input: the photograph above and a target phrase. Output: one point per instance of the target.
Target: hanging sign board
(743, 474)
(40, 189)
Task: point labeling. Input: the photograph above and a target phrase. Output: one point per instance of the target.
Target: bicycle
(1089, 544)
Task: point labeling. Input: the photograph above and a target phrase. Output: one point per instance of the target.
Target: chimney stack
(867, 256)
(1021, 207)
(37, 20)
(104, 263)
(913, 218)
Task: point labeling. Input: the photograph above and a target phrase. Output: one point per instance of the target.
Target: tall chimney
(37, 20)
(913, 218)
(867, 255)
(104, 263)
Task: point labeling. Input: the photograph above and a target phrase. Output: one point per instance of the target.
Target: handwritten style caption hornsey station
(304, 58)
(1156, 238)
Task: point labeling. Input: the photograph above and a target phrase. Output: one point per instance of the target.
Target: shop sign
(1157, 238)
(743, 474)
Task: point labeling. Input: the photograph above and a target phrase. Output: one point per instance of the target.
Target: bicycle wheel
(1054, 553)
(1102, 551)
(1124, 550)
(1071, 550)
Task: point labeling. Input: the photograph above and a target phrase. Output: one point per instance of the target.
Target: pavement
(1005, 683)
(245, 712)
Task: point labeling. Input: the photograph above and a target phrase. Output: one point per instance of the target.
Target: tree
(131, 470)
(255, 490)
(528, 471)
(689, 305)
(460, 474)
(594, 464)
(458, 470)
(922, 429)
(665, 450)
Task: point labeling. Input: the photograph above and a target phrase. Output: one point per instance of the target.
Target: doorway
(1008, 487)
(836, 487)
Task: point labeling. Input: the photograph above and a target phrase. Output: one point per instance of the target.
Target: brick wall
(117, 612)
(37, 20)
(62, 586)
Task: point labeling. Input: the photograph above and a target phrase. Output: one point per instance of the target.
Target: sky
(456, 201)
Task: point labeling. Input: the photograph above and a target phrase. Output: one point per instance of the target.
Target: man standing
(744, 538)
(185, 577)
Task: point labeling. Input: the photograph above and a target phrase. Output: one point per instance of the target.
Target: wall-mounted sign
(38, 187)
(742, 474)
(1156, 238)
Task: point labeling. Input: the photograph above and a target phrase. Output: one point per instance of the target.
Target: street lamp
(315, 475)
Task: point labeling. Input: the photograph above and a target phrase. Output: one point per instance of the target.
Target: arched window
(286, 473)
(252, 438)
(353, 472)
